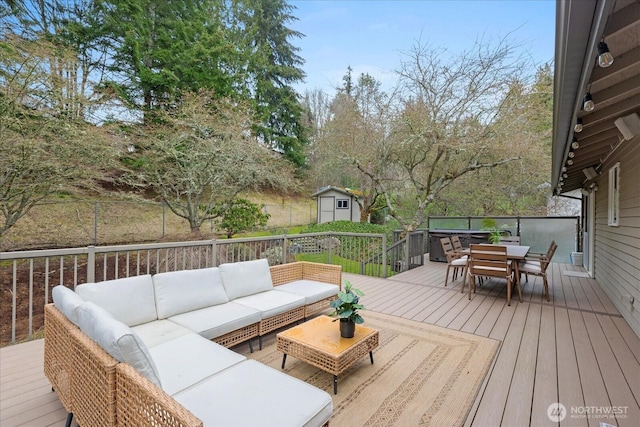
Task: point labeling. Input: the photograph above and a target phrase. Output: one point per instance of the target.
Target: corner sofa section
(137, 351)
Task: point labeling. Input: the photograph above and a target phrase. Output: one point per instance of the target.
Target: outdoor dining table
(515, 253)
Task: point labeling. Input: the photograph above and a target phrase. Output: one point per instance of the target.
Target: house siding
(617, 249)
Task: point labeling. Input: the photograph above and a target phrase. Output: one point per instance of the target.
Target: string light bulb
(588, 105)
(569, 162)
(578, 126)
(605, 58)
(575, 144)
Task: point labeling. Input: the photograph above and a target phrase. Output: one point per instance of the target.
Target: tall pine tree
(272, 66)
(165, 48)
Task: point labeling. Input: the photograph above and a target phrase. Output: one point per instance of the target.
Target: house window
(342, 204)
(614, 195)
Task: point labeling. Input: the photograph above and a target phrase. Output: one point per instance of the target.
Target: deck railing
(534, 231)
(402, 255)
(28, 276)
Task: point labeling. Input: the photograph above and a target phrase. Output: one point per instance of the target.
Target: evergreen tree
(272, 66)
(162, 49)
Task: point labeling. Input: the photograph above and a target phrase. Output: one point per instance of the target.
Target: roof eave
(579, 27)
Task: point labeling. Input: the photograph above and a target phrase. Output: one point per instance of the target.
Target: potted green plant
(495, 232)
(495, 235)
(346, 308)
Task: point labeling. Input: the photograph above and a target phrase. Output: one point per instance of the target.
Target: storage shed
(337, 204)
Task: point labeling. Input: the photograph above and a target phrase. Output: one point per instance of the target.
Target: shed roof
(346, 191)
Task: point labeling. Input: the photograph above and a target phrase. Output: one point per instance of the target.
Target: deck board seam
(530, 301)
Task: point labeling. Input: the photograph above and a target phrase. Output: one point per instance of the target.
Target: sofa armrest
(57, 353)
(327, 273)
(140, 402)
(285, 273)
(93, 382)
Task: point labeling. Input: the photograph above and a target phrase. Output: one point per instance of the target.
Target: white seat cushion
(190, 359)
(159, 332)
(530, 268)
(311, 290)
(212, 322)
(117, 339)
(531, 262)
(187, 290)
(129, 300)
(252, 394)
(459, 261)
(67, 301)
(270, 303)
(246, 278)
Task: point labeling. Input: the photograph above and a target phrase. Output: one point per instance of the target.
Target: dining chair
(538, 267)
(491, 261)
(457, 245)
(535, 257)
(510, 240)
(454, 260)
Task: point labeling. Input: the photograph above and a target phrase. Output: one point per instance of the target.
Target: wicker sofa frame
(99, 391)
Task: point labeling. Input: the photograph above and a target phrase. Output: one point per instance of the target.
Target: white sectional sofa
(138, 351)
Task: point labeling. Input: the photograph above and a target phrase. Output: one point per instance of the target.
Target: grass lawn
(348, 265)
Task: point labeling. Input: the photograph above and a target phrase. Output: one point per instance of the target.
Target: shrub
(273, 255)
(351, 247)
(347, 227)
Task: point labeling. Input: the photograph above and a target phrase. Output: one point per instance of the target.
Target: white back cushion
(245, 278)
(179, 292)
(67, 301)
(117, 339)
(130, 300)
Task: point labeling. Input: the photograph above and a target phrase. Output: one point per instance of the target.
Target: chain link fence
(81, 223)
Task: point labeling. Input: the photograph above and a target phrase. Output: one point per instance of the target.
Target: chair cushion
(530, 268)
(130, 300)
(117, 339)
(528, 262)
(272, 399)
(217, 320)
(246, 278)
(187, 290)
(190, 359)
(312, 290)
(271, 303)
(459, 261)
(159, 332)
(67, 301)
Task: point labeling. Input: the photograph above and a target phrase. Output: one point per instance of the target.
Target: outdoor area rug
(422, 375)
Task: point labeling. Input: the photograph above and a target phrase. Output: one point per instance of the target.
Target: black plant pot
(347, 328)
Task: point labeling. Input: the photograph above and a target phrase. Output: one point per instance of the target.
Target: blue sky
(370, 35)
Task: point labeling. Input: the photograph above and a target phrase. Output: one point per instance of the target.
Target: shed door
(327, 209)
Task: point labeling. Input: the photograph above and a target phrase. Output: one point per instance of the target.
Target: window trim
(613, 196)
(342, 200)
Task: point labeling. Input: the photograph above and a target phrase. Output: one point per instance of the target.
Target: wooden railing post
(284, 249)
(384, 256)
(407, 252)
(91, 264)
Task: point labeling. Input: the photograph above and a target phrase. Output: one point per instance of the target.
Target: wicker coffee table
(318, 343)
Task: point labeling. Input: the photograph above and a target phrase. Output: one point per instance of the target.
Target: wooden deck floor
(576, 350)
